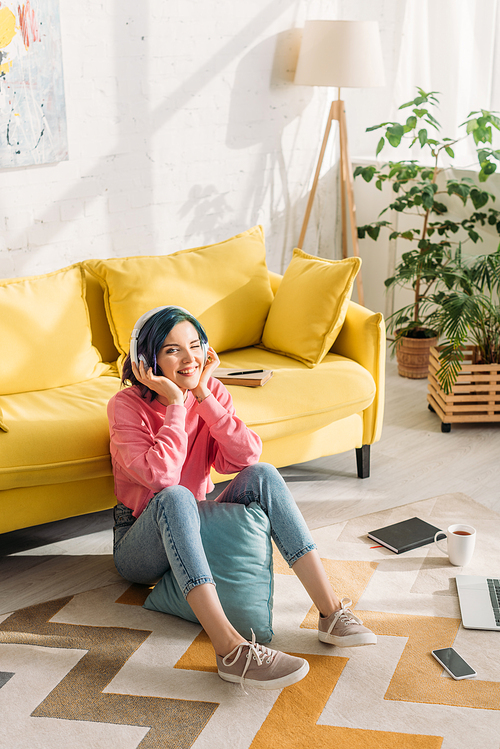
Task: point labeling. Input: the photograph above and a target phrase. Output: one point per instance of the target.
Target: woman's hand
(165, 388)
(201, 391)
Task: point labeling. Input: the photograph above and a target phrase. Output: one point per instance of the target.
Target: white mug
(461, 541)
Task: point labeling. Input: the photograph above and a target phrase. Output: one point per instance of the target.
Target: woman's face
(181, 357)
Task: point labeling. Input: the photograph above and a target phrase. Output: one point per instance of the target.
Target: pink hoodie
(155, 446)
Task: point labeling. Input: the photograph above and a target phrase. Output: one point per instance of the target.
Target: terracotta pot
(412, 355)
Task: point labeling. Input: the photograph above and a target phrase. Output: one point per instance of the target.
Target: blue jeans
(166, 535)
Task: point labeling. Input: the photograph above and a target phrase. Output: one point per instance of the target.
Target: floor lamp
(340, 54)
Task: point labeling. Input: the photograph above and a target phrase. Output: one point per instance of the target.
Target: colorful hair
(150, 341)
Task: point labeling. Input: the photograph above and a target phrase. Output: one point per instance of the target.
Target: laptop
(479, 601)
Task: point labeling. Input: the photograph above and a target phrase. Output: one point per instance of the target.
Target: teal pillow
(237, 542)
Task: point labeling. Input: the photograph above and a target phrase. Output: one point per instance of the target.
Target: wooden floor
(412, 461)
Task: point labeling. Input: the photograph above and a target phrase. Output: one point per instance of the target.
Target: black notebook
(406, 535)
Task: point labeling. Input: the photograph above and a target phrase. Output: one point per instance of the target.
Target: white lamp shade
(345, 54)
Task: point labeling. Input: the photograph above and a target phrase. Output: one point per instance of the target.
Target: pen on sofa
(248, 371)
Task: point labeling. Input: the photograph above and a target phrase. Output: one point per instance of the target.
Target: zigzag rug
(97, 671)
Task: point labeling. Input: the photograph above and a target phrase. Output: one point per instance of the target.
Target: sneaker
(261, 667)
(344, 629)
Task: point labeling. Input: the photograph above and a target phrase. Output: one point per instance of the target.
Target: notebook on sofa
(247, 377)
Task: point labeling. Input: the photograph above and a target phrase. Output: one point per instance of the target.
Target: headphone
(141, 323)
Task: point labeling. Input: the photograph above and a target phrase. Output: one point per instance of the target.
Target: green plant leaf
(433, 120)
(482, 134)
(471, 124)
(427, 200)
(394, 134)
(368, 173)
(422, 137)
(479, 197)
(458, 188)
(380, 145)
(451, 358)
(376, 127)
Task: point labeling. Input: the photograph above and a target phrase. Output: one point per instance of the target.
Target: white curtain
(451, 46)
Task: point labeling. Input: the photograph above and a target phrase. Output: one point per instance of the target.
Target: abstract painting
(32, 105)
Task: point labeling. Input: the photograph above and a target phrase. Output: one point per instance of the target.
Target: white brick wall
(184, 128)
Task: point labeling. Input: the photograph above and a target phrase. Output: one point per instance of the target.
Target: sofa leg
(363, 461)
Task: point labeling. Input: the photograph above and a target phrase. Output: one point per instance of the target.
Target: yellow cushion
(3, 425)
(298, 399)
(226, 286)
(101, 334)
(56, 436)
(45, 332)
(310, 307)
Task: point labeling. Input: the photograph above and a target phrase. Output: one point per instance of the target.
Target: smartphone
(452, 662)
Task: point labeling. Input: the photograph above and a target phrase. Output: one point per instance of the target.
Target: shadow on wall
(267, 111)
(100, 176)
(210, 211)
(262, 105)
(213, 215)
(101, 179)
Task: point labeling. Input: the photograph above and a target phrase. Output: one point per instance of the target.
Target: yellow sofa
(65, 335)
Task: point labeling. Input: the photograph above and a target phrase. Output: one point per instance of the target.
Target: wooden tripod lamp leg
(331, 116)
(347, 185)
(337, 112)
(342, 183)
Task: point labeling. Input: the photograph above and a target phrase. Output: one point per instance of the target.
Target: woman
(167, 431)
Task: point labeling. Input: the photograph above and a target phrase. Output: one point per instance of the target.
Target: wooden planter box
(475, 396)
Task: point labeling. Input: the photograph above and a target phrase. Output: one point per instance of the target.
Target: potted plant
(418, 192)
(464, 373)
